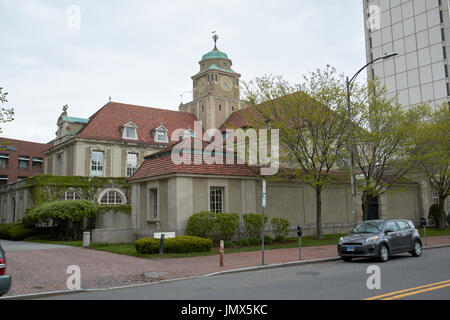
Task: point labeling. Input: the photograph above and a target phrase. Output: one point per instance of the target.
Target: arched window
(70, 195)
(112, 197)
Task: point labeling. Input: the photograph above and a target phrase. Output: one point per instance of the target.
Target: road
(332, 280)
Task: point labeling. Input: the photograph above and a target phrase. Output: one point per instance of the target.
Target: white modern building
(419, 31)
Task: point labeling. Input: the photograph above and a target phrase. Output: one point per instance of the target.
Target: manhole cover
(154, 275)
(307, 273)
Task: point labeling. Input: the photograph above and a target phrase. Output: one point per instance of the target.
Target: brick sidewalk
(37, 271)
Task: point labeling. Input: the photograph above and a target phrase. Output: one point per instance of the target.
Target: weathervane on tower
(215, 38)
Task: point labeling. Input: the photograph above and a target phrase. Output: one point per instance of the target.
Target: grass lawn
(45, 239)
(432, 232)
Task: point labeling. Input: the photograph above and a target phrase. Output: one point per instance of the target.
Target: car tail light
(2, 267)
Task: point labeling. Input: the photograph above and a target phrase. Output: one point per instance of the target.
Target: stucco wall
(182, 196)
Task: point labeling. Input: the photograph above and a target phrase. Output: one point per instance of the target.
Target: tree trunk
(319, 212)
(365, 201)
(442, 212)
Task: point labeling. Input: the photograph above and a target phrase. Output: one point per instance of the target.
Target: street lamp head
(390, 55)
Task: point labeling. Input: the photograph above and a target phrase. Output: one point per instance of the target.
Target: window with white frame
(112, 197)
(161, 136)
(70, 195)
(129, 131)
(154, 203)
(132, 163)
(97, 159)
(435, 196)
(216, 199)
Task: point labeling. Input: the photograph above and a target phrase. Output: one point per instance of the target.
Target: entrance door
(372, 214)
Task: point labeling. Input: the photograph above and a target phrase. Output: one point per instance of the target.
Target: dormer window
(129, 131)
(188, 134)
(160, 134)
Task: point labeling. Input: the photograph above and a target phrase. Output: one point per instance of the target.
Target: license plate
(351, 248)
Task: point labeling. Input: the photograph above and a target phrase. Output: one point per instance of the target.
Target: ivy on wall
(47, 188)
(123, 208)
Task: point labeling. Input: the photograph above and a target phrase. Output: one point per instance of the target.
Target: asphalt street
(338, 280)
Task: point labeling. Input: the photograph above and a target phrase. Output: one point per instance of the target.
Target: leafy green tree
(6, 115)
(384, 143)
(433, 149)
(311, 119)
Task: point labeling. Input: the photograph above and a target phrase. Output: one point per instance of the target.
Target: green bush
(253, 224)
(253, 241)
(434, 214)
(147, 245)
(280, 239)
(280, 227)
(215, 226)
(180, 244)
(201, 224)
(18, 232)
(268, 239)
(4, 230)
(226, 225)
(228, 244)
(243, 242)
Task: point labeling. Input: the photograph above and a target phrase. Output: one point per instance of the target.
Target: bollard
(161, 244)
(221, 252)
(86, 239)
(299, 233)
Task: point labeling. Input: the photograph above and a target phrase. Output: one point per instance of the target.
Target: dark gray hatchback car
(5, 280)
(380, 239)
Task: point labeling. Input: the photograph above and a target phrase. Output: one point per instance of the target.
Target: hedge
(15, 231)
(180, 244)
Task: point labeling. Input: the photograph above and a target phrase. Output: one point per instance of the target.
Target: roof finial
(215, 38)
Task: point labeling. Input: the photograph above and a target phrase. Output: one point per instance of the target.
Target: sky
(144, 52)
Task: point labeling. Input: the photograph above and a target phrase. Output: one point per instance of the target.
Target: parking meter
(423, 221)
(299, 231)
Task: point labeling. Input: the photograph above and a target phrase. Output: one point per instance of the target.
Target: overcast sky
(144, 52)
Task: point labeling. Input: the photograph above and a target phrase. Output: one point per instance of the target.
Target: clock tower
(215, 89)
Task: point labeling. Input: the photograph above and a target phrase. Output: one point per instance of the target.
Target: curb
(232, 271)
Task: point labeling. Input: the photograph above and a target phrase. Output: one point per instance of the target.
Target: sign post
(263, 207)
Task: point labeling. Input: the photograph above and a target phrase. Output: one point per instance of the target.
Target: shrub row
(15, 231)
(180, 244)
(223, 226)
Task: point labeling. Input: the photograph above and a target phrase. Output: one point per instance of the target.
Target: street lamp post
(350, 131)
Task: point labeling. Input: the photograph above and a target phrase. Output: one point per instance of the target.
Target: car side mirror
(388, 230)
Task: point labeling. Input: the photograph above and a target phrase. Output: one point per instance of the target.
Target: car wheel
(417, 250)
(383, 255)
(347, 259)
